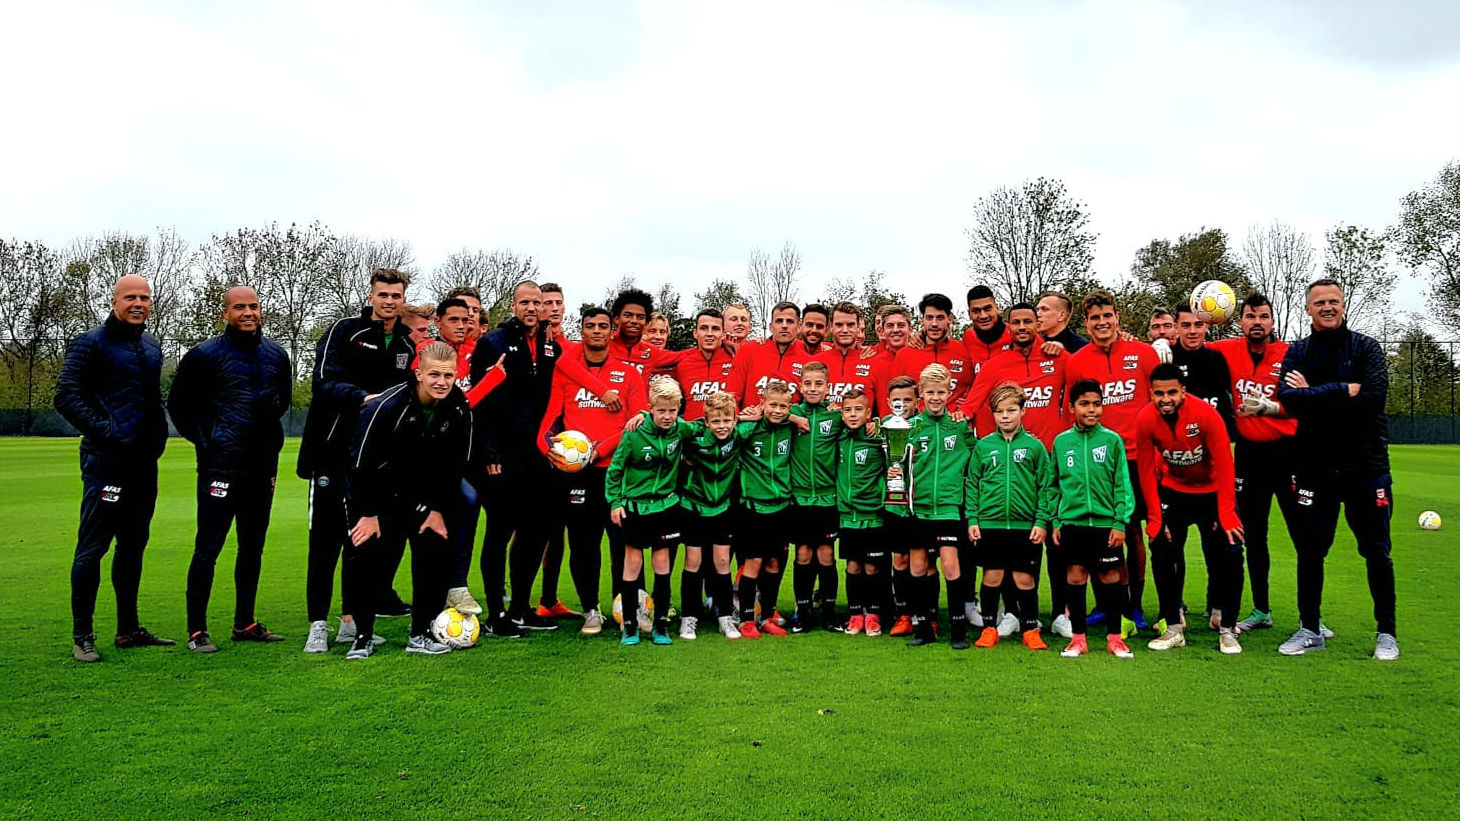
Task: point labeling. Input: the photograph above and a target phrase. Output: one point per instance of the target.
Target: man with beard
(779, 357)
(987, 335)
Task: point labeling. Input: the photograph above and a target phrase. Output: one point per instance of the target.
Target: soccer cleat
(830, 623)
(1008, 624)
(749, 630)
(1386, 647)
(1301, 642)
(958, 639)
(1256, 620)
(1076, 648)
(256, 632)
(142, 637)
(557, 611)
(1139, 617)
(630, 638)
(1173, 638)
(531, 621)
(199, 642)
(799, 625)
(988, 638)
(1128, 627)
(1034, 641)
(1324, 631)
(1159, 626)
(1095, 617)
(854, 625)
(361, 649)
(770, 628)
(873, 626)
(1227, 642)
(902, 627)
(462, 599)
(1061, 626)
(728, 628)
(592, 623)
(427, 646)
(660, 634)
(1118, 648)
(1214, 619)
(970, 612)
(394, 609)
(346, 634)
(778, 618)
(503, 627)
(84, 649)
(688, 627)
(923, 634)
(319, 637)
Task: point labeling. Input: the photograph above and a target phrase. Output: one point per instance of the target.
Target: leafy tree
(493, 273)
(1428, 240)
(1026, 239)
(718, 294)
(1166, 273)
(351, 262)
(1357, 258)
(1422, 374)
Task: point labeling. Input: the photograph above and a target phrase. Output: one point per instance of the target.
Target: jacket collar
(121, 329)
(247, 339)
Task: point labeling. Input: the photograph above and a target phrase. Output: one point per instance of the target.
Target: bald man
(110, 389)
(227, 399)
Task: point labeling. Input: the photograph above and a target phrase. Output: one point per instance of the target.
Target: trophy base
(895, 499)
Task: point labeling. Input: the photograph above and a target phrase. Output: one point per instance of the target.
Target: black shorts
(652, 531)
(1008, 550)
(935, 534)
(1089, 547)
(1135, 488)
(814, 526)
(762, 535)
(862, 544)
(707, 531)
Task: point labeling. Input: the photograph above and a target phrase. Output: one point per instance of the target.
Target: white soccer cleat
(592, 623)
(319, 637)
(729, 628)
(1227, 642)
(1062, 627)
(688, 628)
(1008, 625)
(461, 599)
(1386, 647)
(1173, 638)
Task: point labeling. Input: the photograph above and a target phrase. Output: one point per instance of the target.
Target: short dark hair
(936, 301)
(592, 311)
(1168, 371)
(1082, 387)
(712, 312)
(890, 309)
(845, 307)
(1069, 304)
(1256, 299)
(550, 288)
(1161, 310)
(451, 302)
(786, 305)
(1184, 308)
(1096, 299)
(632, 296)
(816, 308)
(1323, 283)
(464, 290)
(389, 276)
(1020, 306)
(900, 382)
(979, 292)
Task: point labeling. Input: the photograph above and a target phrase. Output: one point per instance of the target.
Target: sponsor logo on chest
(1131, 362)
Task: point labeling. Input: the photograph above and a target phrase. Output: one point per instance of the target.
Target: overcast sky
(669, 139)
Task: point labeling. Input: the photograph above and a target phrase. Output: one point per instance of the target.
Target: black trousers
(1368, 504)
(1180, 511)
(516, 513)
(585, 511)
(464, 534)
(118, 497)
(328, 533)
(1264, 472)
(222, 501)
(431, 560)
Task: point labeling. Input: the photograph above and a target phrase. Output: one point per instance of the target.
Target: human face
(1102, 324)
(527, 305)
(783, 326)
(1191, 330)
(552, 308)
(709, 333)
(903, 401)
(813, 330)
(418, 328)
(1162, 326)
(474, 310)
(854, 412)
(1022, 326)
(630, 322)
(898, 329)
(935, 324)
(435, 378)
(386, 301)
(983, 313)
(1256, 323)
(935, 397)
(664, 413)
(241, 310)
(1008, 416)
(1088, 408)
(1326, 307)
(132, 300)
(844, 329)
(721, 425)
(1166, 395)
(452, 328)
(777, 407)
(656, 333)
(1051, 316)
(814, 387)
(596, 332)
(737, 324)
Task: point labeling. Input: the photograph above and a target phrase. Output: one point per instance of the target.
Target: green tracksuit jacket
(813, 456)
(643, 477)
(1010, 483)
(1092, 479)
(861, 479)
(941, 449)
(711, 468)
(765, 465)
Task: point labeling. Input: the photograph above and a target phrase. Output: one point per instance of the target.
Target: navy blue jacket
(227, 399)
(508, 419)
(351, 361)
(405, 455)
(110, 389)
(1338, 434)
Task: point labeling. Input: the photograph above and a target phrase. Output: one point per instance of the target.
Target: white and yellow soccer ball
(456, 629)
(1429, 520)
(1214, 302)
(573, 448)
(646, 603)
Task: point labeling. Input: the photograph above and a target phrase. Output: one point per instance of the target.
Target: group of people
(915, 455)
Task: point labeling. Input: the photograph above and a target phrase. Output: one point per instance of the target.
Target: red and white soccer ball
(573, 448)
(1214, 302)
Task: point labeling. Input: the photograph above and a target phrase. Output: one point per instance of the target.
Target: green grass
(559, 726)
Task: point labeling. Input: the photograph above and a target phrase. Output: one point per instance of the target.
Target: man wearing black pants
(1335, 381)
(110, 390)
(356, 359)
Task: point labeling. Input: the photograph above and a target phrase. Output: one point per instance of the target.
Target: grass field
(560, 726)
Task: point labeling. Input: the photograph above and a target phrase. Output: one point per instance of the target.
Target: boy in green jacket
(1010, 496)
(711, 473)
(1093, 505)
(642, 489)
(765, 495)
(902, 398)
(861, 490)
(813, 489)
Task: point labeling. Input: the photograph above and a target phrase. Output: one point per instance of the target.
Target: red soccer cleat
(748, 630)
(874, 626)
(854, 625)
(770, 628)
(988, 638)
(902, 627)
(1078, 647)
(1033, 640)
(557, 611)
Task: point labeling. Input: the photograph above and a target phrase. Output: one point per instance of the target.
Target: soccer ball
(646, 603)
(572, 446)
(1214, 302)
(456, 629)
(1429, 520)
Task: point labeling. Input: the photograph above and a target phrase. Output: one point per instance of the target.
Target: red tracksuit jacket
(700, 378)
(1124, 374)
(1261, 376)
(647, 359)
(572, 406)
(848, 370)
(1043, 380)
(979, 352)
(757, 364)
(950, 353)
(1193, 455)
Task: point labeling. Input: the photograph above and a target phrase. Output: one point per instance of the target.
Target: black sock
(957, 618)
(803, 581)
(661, 595)
(902, 590)
(827, 586)
(1076, 603)
(1116, 600)
(721, 592)
(988, 605)
(930, 595)
(690, 599)
(854, 593)
(770, 590)
(747, 598)
(1029, 608)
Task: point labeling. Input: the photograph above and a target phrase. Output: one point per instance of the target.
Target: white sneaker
(970, 611)
(1324, 631)
(1008, 625)
(1062, 627)
(319, 637)
(729, 628)
(361, 651)
(1386, 647)
(687, 627)
(1173, 638)
(592, 623)
(427, 646)
(346, 635)
(1302, 642)
(462, 600)
(1227, 642)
